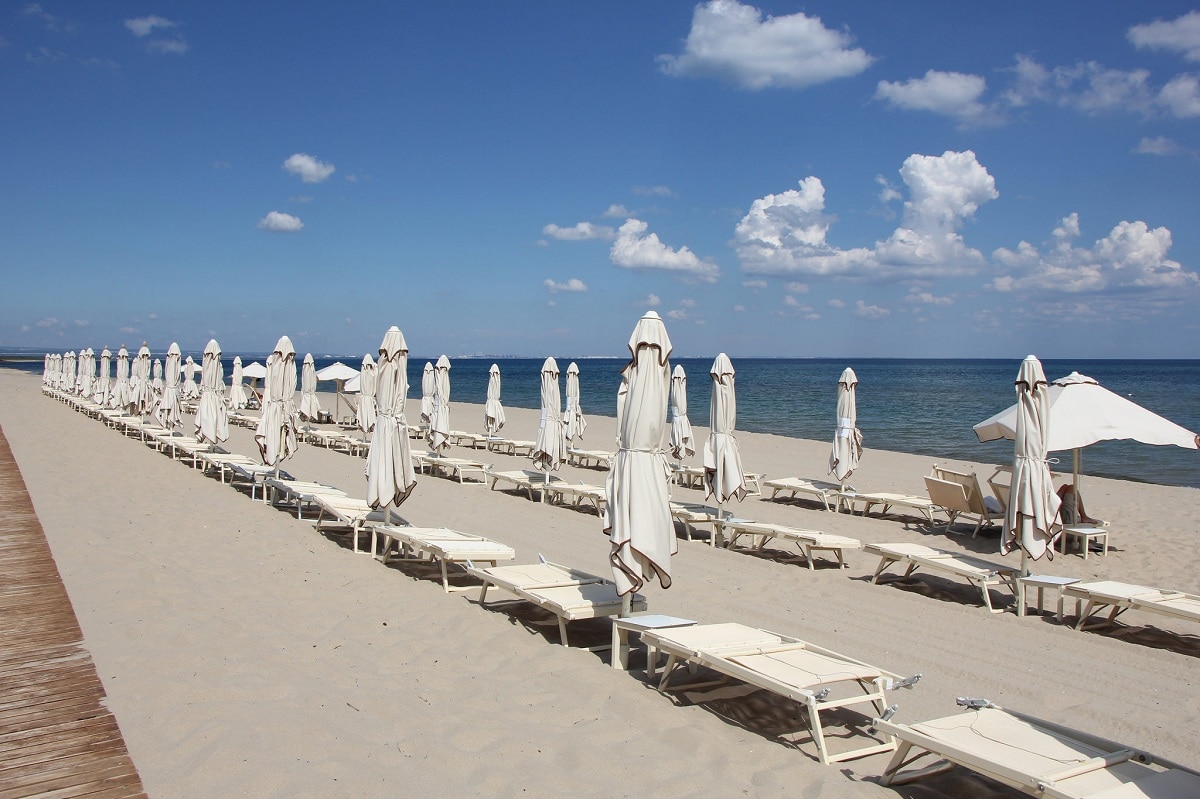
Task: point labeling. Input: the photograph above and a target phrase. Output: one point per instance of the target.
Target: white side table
(622, 626)
(1041, 582)
(1085, 533)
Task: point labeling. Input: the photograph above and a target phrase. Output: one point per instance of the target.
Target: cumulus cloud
(278, 222)
(1180, 35)
(574, 284)
(634, 248)
(48, 321)
(1094, 89)
(651, 301)
(861, 309)
(616, 211)
(1131, 257)
(1181, 96)
(177, 46)
(835, 303)
(785, 234)
(307, 168)
(734, 42)
(951, 94)
(1157, 145)
(581, 231)
(797, 288)
(678, 314)
(916, 297)
(144, 26)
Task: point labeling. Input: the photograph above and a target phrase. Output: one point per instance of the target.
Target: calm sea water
(921, 406)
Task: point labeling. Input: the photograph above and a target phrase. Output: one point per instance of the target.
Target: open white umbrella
(390, 474)
(365, 414)
(1032, 512)
(428, 383)
(550, 449)
(575, 423)
(119, 398)
(637, 516)
(190, 389)
(276, 431)
(439, 419)
(493, 411)
(104, 378)
(847, 440)
(310, 407)
(723, 476)
(254, 372)
(212, 418)
(339, 373)
(168, 411)
(681, 427)
(237, 392)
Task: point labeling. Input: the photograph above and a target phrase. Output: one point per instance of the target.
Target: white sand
(246, 655)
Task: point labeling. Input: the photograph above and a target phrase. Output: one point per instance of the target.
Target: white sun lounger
(182, 448)
(438, 544)
(351, 514)
(578, 494)
(817, 678)
(510, 446)
(694, 514)
(253, 475)
(222, 462)
(807, 541)
(959, 494)
(1034, 756)
(589, 458)
(458, 468)
(922, 505)
(279, 491)
(828, 494)
(1120, 597)
(464, 439)
(983, 574)
(693, 477)
(523, 480)
(568, 593)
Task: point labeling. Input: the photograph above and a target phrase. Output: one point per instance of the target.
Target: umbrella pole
(718, 525)
(626, 606)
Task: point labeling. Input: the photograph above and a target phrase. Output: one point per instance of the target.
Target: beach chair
(469, 440)
(457, 468)
(569, 594)
(1037, 757)
(578, 494)
(589, 458)
(828, 494)
(279, 491)
(350, 514)
(525, 480)
(694, 514)
(886, 501)
(221, 462)
(439, 544)
(818, 678)
(509, 446)
(807, 541)
(958, 494)
(1119, 597)
(983, 574)
(253, 475)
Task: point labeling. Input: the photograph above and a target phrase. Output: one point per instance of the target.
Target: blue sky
(827, 179)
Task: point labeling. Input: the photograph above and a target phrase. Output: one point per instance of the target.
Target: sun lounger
(886, 501)
(222, 462)
(279, 491)
(807, 541)
(351, 514)
(180, 447)
(983, 574)
(568, 593)
(693, 477)
(439, 544)
(510, 446)
(589, 458)
(828, 494)
(694, 514)
(458, 468)
(523, 480)
(1034, 756)
(464, 439)
(1120, 597)
(253, 475)
(817, 678)
(958, 494)
(577, 494)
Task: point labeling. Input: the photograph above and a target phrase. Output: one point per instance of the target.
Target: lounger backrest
(970, 484)
(1002, 491)
(948, 494)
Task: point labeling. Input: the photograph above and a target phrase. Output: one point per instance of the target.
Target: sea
(914, 405)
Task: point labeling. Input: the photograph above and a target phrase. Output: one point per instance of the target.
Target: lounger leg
(809, 557)
(445, 578)
(562, 630)
(814, 721)
(884, 562)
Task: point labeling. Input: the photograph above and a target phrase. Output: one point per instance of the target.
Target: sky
(919, 179)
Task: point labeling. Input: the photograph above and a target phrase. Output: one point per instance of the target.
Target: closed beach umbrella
(493, 411)
(439, 420)
(1032, 512)
(276, 431)
(141, 393)
(366, 396)
(637, 516)
(168, 411)
(237, 392)
(104, 378)
(427, 388)
(390, 474)
(156, 382)
(70, 372)
(576, 424)
(339, 373)
(87, 375)
(723, 477)
(847, 440)
(310, 407)
(681, 427)
(119, 398)
(212, 418)
(550, 449)
(190, 389)
(46, 370)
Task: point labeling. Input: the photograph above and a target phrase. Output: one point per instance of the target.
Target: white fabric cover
(140, 393)
(723, 477)
(310, 406)
(212, 417)
(119, 398)
(366, 396)
(168, 412)
(390, 474)
(238, 396)
(87, 373)
(439, 419)
(190, 389)
(847, 440)
(550, 449)
(1033, 504)
(493, 411)
(104, 379)
(276, 431)
(427, 388)
(575, 423)
(681, 427)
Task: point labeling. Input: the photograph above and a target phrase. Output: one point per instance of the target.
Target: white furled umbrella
(87, 374)
(190, 389)
(310, 407)
(140, 393)
(390, 474)
(493, 411)
(681, 427)
(168, 411)
(439, 420)
(1032, 512)
(119, 398)
(70, 373)
(104, 378)
(550, 449)
(576, 424)
(365, 415)
(723, 477)
(276, 431)
(847, 440)
(637, 516)
(428, 382)
(156, 381)
(46, 369)
(212, 418)
(237, 392)
(339, 373)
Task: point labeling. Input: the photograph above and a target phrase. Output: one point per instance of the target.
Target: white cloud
(307, 168)
(1180, 35)
(792, 302)
(679, 314)
(785, 234)
(82, 323)
(688, 303)
(835, 303)
(574, 284)
(734, 42)
(1131, 256)
(152, 316)
(887, 192)
(48, 321)
(144, 26)
(636, 249)
(916, 297)
(651, 301)
(861, 309)
(651, 191)
(616, 211)
(24, 328)
(1158, 145)
(754, 284)
(278, 222)
(176, 46)
(581, 231)
(1181, 96)
(797, 288)
(951, 94)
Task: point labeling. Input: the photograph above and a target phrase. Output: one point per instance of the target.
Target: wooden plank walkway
(57, 738)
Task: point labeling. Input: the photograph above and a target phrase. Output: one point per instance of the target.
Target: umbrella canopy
(119, 398)
(168, 413)
(576, 424)
(550, 449)
(493, 411)
(140, 392)
(428, 382)
(366, 395)
(390, 475)
(681, 428)
(847, 439)
(190, 389)
(439, 420)
(1033, 505)
(238, 398)
(276, 431)
(339, 373)
(212, 418)
(637, 516)
(255, 371)
(104, 379)
(723, 477)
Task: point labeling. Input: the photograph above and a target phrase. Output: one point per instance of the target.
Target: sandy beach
(244, 654)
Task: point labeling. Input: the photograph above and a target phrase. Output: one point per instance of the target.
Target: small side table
(1041, 582)
(622, 626)
(1085, 533)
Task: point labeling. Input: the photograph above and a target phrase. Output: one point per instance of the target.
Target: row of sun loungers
(983, 574)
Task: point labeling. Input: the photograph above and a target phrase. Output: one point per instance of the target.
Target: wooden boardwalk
(57, 738)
